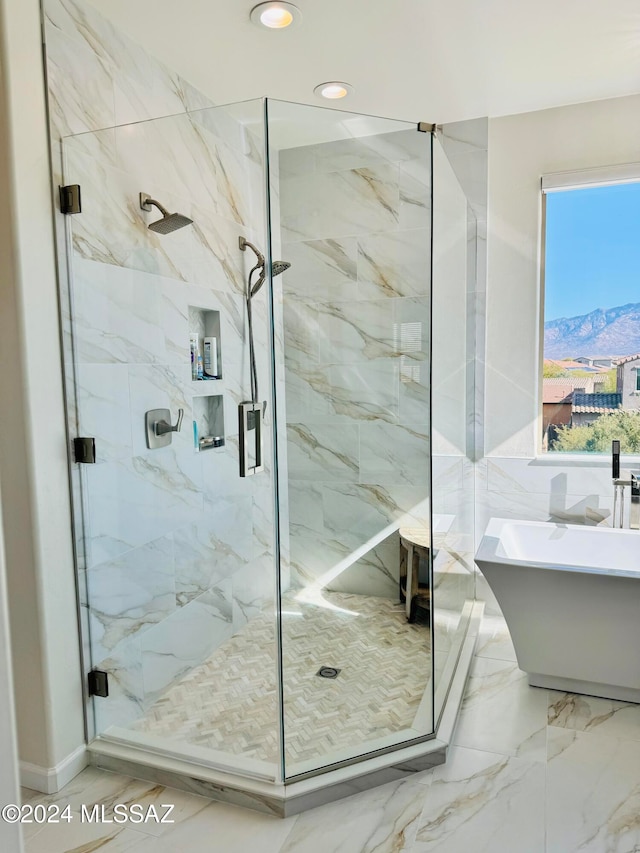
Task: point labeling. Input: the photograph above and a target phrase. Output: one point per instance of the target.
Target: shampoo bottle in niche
(211, 357)
(194, 348)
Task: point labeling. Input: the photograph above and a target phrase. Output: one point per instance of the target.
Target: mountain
(611, 331)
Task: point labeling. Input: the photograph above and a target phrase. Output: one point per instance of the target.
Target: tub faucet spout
(634, 509)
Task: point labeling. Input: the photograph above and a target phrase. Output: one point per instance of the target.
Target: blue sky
(592, 250)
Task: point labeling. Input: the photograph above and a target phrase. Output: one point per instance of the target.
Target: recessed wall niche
(204, 344)
(208, 422)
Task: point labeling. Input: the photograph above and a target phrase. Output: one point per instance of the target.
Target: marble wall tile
(254, 590)
(394, 263)
(354, 332)
(481, 801)
(342, 154)
(262, 516)
(302, 334)
(323, 452)
(304, 394)
(564, 509)
(414, 393)
(322, 269)
(151, 90)
(337, 204)
(218, 261)
(116, 316)
(185, 639)
(363, 392)
(354, 515)
(540, 477)
(174, 321)
(128, 595)
(390, 453)
(77, 109)
(592, 792)
(179, 156)
(134, 501)
(214, 547)
(501, 713)
(140, 86)
(377, 571)
(415, 193)
(104, 410)
(308, 561)
(126, 690)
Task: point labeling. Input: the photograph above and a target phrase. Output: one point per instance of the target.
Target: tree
(597, 437)
(610, 379)
(551, 370)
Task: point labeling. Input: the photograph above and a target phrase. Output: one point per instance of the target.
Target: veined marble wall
(178, 549)
(564, 490)
(355, 223)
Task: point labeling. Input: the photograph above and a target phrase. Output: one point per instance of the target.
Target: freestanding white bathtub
(571, 598)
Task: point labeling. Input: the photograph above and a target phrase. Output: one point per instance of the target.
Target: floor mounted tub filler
(571, 599)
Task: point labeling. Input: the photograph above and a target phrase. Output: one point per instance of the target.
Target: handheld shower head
(278, 267)
(169, 222)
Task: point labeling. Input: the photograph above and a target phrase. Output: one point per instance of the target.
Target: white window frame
(579, 179)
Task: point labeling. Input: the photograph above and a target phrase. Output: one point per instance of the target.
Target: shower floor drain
(328, 672)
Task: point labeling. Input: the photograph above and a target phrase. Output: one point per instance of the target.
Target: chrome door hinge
(84, 450)
(98, 682)
(70, 201)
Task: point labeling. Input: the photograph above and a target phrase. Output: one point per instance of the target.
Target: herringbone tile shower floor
(229, 703)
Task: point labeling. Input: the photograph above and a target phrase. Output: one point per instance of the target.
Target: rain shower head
(169, 222)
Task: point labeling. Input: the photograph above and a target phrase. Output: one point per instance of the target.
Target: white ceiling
(430, 60)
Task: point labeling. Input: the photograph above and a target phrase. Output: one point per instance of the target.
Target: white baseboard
(49, 780)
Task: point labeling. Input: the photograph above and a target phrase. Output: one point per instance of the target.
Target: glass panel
(180, 559)
(351, 213)
(452, 360)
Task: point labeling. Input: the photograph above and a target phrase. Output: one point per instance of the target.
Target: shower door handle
(250, 421)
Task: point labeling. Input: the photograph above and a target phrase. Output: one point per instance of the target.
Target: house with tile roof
(628, 381)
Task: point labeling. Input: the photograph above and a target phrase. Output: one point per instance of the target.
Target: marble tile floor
(560, 775)
(228, 703)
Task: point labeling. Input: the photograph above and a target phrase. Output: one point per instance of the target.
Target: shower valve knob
(162, 427)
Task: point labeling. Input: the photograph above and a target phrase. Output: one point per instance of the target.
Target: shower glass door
(176, 550)
(350, 204)
(259, 606)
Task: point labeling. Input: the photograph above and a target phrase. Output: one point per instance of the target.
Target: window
(591, 347)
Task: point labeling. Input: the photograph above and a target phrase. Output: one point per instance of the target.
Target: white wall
(10, 834)
(33, 460)
(522, 148)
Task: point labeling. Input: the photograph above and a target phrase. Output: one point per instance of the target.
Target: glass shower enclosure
(254, 538)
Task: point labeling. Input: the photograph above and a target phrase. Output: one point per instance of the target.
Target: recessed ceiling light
(333, 89)
(275, 15)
